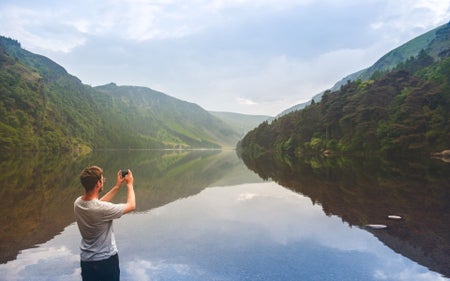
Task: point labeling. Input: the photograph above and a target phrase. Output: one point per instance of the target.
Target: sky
(256, 57)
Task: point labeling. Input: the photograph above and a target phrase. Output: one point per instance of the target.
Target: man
(99, 254)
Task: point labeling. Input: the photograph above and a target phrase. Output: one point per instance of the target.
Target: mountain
(435, 42)
(403, 111)
(43, 107)
(301, 105)
(241, 122)
(164, 119)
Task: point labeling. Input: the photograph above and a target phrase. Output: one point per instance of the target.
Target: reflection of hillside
(165, 177)
(365, 192)
(37, 200)
(38, 190)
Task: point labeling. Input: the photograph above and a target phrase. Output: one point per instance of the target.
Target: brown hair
(90, 176)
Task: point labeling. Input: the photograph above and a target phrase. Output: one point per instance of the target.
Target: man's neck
(90, 196)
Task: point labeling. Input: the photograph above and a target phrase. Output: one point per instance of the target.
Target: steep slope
(164, 119)
(42, 107)
(435, 42)
(406, 111)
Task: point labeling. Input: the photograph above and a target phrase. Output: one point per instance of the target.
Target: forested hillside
(435, 42)
(42, 107)
(403, 111)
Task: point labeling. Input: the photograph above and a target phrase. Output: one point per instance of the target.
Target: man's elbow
(129, 208)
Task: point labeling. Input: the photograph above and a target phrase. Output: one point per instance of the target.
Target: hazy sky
(247, 56)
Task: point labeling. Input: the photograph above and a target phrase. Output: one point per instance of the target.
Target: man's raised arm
(131, 198)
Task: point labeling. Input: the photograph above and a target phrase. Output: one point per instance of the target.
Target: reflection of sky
(245, 232)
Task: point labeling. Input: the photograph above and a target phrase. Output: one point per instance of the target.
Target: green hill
(42, 107)
(402, 111)
(164, 119)
(241, 122)
(435, 42)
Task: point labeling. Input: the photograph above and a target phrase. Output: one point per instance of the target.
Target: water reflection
(38, 190)
(198, 220)
(36, 196)
(244, 232)
(367, 191)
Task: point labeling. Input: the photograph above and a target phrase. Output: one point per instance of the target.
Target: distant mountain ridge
(43, 107)
(241, 122)
(433, 41)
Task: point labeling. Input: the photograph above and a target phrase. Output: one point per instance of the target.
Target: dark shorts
(104, 270)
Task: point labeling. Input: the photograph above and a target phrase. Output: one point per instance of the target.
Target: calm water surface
(201, 216)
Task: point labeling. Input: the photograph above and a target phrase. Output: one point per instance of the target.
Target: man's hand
(129, 178)
(119, 179)
(110, 195)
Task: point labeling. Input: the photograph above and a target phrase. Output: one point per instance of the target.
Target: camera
(124, 173)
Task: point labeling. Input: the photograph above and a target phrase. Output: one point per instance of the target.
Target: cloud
(244, 101)
(402, 16)
(40, 29)
(137, 20)
(63, 26)
(275, 84)
(146, 270)
(257, 57)
(406, 274)
(29, 261)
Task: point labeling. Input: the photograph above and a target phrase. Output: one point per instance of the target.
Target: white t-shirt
(95, 222)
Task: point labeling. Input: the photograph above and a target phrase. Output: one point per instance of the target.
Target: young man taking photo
(94, 216)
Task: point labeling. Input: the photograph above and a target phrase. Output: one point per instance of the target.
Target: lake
(208, 215)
